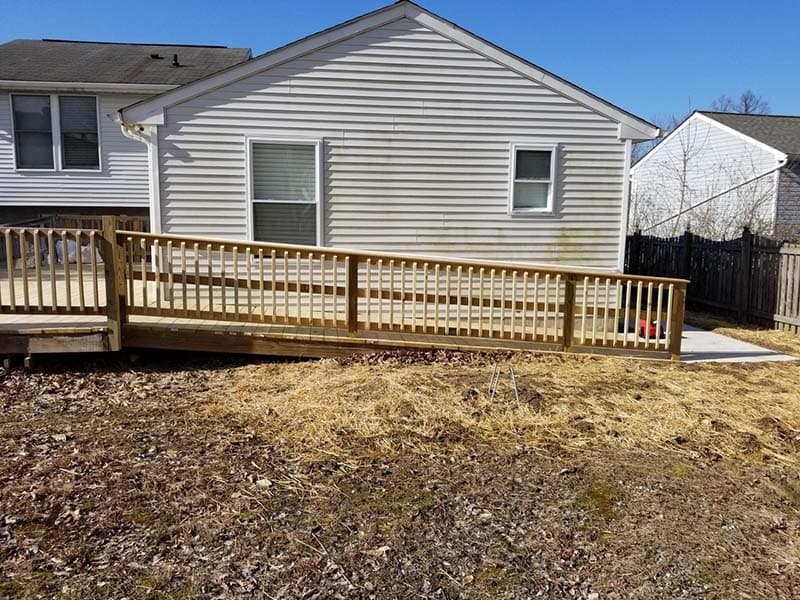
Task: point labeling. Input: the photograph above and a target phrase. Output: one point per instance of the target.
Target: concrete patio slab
(700, 345)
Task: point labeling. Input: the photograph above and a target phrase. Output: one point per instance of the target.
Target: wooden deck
(127, 289)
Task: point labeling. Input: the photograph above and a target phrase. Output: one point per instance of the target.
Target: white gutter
(781, 164)
(84, 86)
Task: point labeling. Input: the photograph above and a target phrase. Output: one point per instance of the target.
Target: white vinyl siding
(415, 132)
(122, 180)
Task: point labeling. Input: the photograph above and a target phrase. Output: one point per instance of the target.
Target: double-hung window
(285, 191)
(56, 132)
(533, 178)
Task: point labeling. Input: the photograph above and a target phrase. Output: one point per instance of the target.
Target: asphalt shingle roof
(780, 132)
(104, 62)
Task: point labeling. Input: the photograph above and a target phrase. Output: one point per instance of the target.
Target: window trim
(55, 129)
(318, 188)
(553, 180)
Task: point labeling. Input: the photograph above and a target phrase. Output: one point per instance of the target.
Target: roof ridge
(737, 114)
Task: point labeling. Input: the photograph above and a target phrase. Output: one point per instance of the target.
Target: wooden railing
(118, 273)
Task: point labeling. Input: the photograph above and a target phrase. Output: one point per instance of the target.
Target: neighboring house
(60, 149)
(740, 170)
(395, 131)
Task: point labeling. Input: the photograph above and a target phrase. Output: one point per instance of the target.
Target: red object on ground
(643, 328)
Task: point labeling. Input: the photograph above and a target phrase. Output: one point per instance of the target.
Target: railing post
(114, 268)
(568, 309)
(634, 252)
(745, 272)
(676, 324)
(352, 295)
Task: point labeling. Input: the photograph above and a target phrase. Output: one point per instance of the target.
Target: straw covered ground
(399, 476)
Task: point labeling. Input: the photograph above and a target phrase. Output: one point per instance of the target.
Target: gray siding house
(60, 147)
(395, 131)
(736, 170)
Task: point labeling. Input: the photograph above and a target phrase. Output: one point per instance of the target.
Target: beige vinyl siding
(416, 134)
(122, 182)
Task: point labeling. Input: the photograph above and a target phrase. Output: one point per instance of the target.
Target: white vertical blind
(79, 144)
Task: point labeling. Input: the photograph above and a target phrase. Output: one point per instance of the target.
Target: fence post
(676, 323)
(114, 267)
(686, 255)
(569, 313)
(635, 252)
(745, 273)
(352, 295)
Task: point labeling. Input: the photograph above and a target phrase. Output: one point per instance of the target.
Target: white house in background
(395, 131)
(741, 170)
(60, 149)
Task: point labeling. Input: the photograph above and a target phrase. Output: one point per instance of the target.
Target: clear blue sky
(652, 58)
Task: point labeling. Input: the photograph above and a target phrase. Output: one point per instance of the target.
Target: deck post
(352, 295)
(676, 325)
(114, 267)
(569, 314)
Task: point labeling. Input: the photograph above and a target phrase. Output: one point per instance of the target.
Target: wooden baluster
(556, 304)
(524, 324)
(380, 294)
(594, 309)
(658, 314)
(37, 266)
(310, 263)
(210, 269)
(130, 299)
(403, 287)
(458, 300)
(469, 301)
(323, 297)
(568, 328)
(502, 303)
(606, 311)
(51, 263)
(335, 283)
(170, 290)
(196, 258)
(480, 302)
(391, 295)
(79, 264)
(668, 331)
(183, 279)
(248, 259)
(12, 302)
(93, 267)
(638, 319)
(23, 257)
(286, 286)
(67, 275)
(414, 296)
(298, 296)
(425, 297)
(436, 299)
(535, 305)
(546, 303)
(648, 314)
(626, 324)
(261, 282)
(491, 303)
(617, 303)
(143, 268)
(157, 258)
(235, 259)
(447, 300)
(513, 304)
(273, 283)
(368, 293)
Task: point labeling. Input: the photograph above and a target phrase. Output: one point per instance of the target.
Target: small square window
(532, 181)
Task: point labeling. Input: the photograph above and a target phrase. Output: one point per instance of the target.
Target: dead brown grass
(322, 409)
(781, 341)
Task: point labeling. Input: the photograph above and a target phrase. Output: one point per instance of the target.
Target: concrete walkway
(700, 345)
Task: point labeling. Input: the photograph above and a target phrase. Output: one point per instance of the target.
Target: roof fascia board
(151, 110)
(727, 128)
(634, 126)
(129, 88)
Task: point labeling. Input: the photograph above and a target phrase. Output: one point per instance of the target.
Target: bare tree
(748, 103)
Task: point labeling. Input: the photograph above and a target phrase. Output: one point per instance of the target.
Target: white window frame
(55, 128)
(250, 200)
(553, 181)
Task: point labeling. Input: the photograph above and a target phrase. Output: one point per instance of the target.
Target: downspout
(147, 135)
(781, 164)
(626, 206)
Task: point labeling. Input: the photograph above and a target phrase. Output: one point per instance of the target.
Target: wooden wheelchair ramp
(177, 292)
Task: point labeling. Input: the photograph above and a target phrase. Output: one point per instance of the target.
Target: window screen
(33, 133)
(284, 192)
(532, 180)
(79, 147)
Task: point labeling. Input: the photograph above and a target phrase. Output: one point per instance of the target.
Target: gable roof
(781, 132)
(64, 61)
(150, 111)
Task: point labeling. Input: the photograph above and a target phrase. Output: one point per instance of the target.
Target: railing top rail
(419, 258)
(31, 229)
